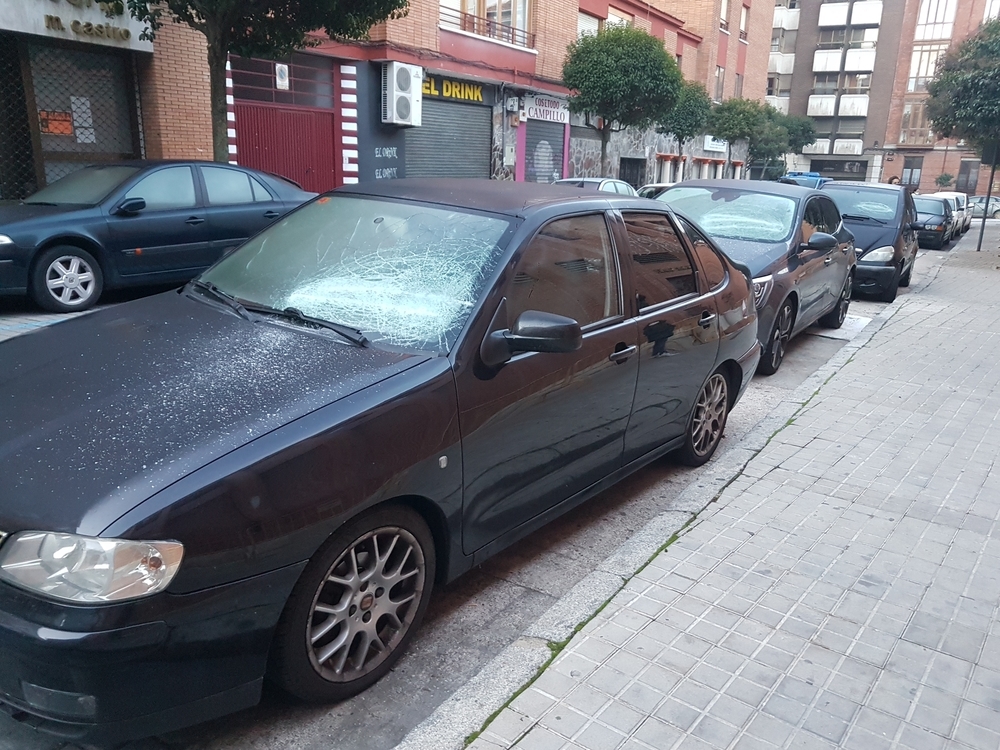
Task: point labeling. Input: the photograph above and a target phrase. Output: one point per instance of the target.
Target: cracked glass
(405, 274)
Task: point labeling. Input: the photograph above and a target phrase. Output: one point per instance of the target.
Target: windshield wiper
(862, 217)
(354, 335)
(211, 290)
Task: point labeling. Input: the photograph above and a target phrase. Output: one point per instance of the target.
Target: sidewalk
(843, 591)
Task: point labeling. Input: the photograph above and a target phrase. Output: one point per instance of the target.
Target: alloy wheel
(781, 334)
(844, 303)
(366, 604)
(709, 415)
(70, 280)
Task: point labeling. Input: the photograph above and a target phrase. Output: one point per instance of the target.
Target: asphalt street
(472, 620)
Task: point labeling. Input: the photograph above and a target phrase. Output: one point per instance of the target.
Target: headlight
(761, 288)
(880, 254)
(5, 240)
(88, 569)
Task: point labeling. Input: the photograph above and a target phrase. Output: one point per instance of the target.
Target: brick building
(79, 87)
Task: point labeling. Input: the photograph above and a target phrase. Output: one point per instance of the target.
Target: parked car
(653, 189)
(977, 202)
(935, 220)
(794, 242)
(132, 223)
(598, 183)
(882, 219)
(805, 179)
(264, 473)
(959, 202)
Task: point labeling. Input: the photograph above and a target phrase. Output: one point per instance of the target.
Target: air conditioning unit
(402, 93)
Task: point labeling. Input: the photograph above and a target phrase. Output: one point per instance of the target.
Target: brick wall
(173, 86)
(554, 22)
(758, 49)
(418, 29)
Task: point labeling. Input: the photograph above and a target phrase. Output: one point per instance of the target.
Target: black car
(882, 219)
(132, 223)
(794, 242)
(935, 221)
(263, 474)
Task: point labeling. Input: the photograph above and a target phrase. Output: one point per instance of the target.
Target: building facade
(78, 85)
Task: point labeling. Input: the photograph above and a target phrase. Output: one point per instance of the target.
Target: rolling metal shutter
(543, 157)
(454, 140)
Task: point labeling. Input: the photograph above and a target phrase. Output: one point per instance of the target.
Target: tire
(379, 565)
(904, 280)
(836, 317)
(781, 332)
(996, 214)
(889, 295)
(66, 279)
(707, 423)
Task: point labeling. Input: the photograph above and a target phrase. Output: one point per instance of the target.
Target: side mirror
(822, 241)
(131, 206)
(914, 225)
(534, 331)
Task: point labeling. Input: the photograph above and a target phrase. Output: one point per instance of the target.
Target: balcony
(866, 13)
(780, 103)
(820, 146)
(781, 63)
(849, 146)
(916, 137)
(853, 105)
(827, 61)
(785, 18)
(833, 14)
(485, 27)
(821, 106)
(859, 60)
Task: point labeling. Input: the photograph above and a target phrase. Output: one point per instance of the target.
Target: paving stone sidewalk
(843, 591)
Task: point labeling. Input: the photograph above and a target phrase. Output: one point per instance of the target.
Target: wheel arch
(81, 243)
(733, 374)
(435, 519)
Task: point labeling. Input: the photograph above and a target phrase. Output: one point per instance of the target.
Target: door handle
(706, 319)
(623, 354)
(828, 261)
(195, 220)
(271, 214)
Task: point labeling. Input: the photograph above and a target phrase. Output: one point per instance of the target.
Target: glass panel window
(857, 83)
(744, 19)
(923, 65)
(226, 186)
(168, 188)
(783, 40)
(738, 86)
(506, 20)
(618, 18)
(935, 19)
(711, 263)
(778, 85)
(587, 24)
(992, 10)
(720, 82)
(260, 193)
(724, 15)
(912, 165)
(568, 269)
(915, 129)
(660, 266)
(830, 38)
(825, 83)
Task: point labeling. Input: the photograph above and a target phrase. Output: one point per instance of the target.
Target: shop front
(543, 148)
(68, 91)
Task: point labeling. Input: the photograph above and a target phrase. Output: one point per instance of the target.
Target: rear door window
(661, 268)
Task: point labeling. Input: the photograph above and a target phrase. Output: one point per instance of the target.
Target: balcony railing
(723, 24)
(916, 137)
(743, 35)
(487, 27)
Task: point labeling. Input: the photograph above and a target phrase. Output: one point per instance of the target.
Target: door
(543, 151)
(810, 266)
(238, 206)
(632, 171)
(169, 234)
(678, 332)
(836, 262)
(546, 426)
(453, 140)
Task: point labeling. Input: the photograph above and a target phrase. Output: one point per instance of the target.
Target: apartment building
(79, 86)
(835, 62)
(912, 152)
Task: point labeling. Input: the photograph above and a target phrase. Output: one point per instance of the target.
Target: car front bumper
(928, 237)
(117, 672)
(874, 278)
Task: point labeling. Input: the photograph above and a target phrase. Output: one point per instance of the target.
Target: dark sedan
(130, 224)
(263, 474)
(794, 242)
(935, 221)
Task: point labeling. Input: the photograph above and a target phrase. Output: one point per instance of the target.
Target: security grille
(61, 109)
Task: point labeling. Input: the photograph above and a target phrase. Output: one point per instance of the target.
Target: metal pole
(989, 193)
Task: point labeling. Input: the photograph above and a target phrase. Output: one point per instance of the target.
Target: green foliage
(737, 119)
(801, 132)
(769, 133)
(690, 115)
(944, 180)
(963, 100)
(623, 76)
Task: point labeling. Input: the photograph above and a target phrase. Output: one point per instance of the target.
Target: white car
(959, 204)
(653, 189)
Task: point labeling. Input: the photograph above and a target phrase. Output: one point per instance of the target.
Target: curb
(474, 705)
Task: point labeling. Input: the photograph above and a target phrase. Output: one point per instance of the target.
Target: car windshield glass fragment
(875, 204)
(404, 274)
(84, 187)
(735, 213)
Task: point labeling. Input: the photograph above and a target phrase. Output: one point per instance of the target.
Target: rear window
(929, 205)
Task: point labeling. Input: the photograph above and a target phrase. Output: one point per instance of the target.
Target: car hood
(12, 212)
(99, 413)
(870, 234)
(757, 256)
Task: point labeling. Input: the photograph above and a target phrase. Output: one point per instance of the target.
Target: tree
(801, 132)
(266, 28)
(689, 116)
(621, 77)
(963, 101)
(944, 180)
(740, 119)
(769, 134)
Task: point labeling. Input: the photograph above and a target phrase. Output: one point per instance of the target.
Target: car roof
(797, 192)
(862, 184)
(495, 196)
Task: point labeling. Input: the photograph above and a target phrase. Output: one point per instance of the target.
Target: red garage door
(293, 142)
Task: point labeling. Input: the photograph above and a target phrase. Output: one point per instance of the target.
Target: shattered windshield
(405, 274)
(734, 213)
